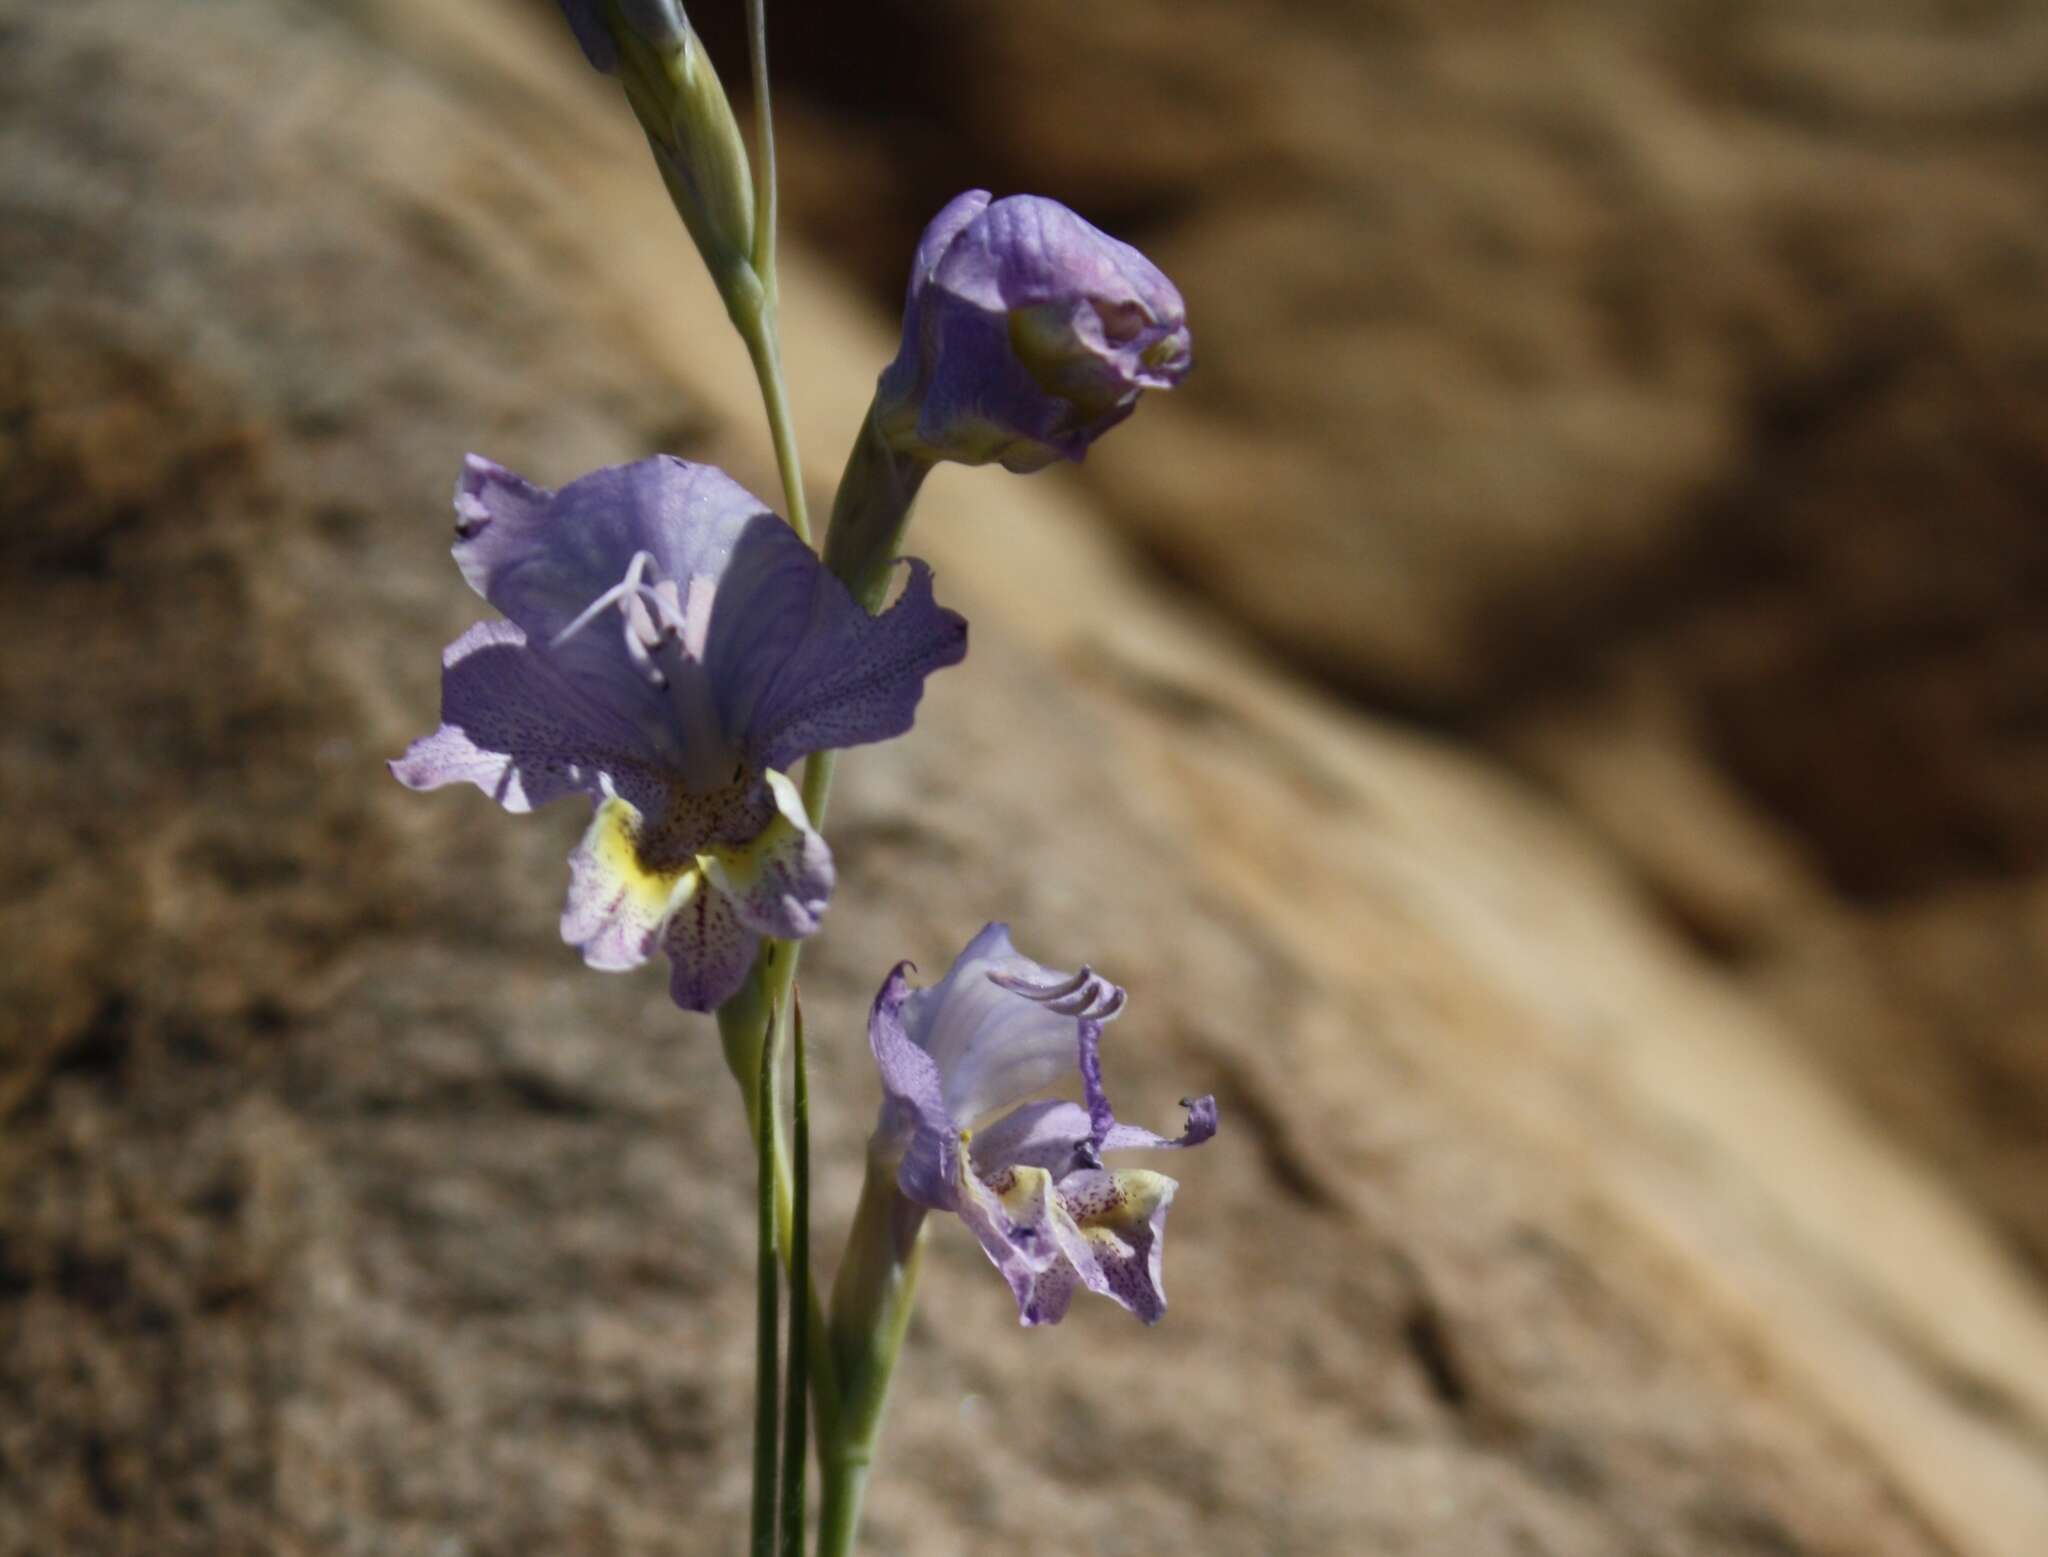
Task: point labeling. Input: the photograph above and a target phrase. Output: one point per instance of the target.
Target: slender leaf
(762, 1542)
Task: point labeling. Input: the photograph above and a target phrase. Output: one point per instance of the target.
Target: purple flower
(670, 648)
(1031, 1184)
(1027, 335)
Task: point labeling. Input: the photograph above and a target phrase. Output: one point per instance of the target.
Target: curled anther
(1085, 994)
(1045, 994)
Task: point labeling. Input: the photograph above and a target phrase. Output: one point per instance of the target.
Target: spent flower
(669, 648)
(1031, 1184)
(1027, 334)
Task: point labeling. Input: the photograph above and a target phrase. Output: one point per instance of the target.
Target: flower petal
(1122, 1215)
(993, 1046)
(797, 666)
(1111, 1136)
(617, 906)
(780, 880)
(1028, 336)
(953, 219)
(515, 728)
(1029, 1236)
(913, 1123)
(1046, 1134)
(541, 557)
(709, 950)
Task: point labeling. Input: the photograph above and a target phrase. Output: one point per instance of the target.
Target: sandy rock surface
(342, 1212)
(1654, 396)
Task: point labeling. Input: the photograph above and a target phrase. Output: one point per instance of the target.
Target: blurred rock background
(1552, 723)
(1656, 398)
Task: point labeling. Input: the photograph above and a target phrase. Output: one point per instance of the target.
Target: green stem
(869, 514)
(794, 1483)
(872, 1301)
(742, 1027)
(758, 329)
(761, 1542)
(845, 1487)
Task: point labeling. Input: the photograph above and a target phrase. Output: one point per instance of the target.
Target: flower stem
(794, 1482)
(845, 1486)
(761, 1526)
(869, 514)
(743, 1030)
(872, 1300)
(756, 320)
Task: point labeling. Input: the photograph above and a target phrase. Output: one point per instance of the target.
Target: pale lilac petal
(1201, 1126)
(780, 880)
(914, 1123)
(1044, 1298)
(1051, 1134)
(797, 666)
(709, 950)
(617, 907)
(515, 728)
(1122, 1215)
(993, 1046)
(1027, 1233)
(1111, 1136)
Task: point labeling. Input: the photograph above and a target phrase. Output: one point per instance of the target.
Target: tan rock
(354, 1216)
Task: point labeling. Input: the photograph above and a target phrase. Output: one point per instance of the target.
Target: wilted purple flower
(732, 654)
(1031, 1184)
(1027, 334)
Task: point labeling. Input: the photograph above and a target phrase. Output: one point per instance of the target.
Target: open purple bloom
(1030, 1183)
(669, 649)
(1027, 335)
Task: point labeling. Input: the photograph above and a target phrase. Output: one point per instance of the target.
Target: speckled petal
(617, 906)
(779, 881)
(709, 950)
(514, 728)
(1122, 1215)
(913, 1125)
(1030, 1237)
(797, 666)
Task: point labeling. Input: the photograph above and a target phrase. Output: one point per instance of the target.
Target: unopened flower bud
(680, 102)
(1027, 334)
(658, 23)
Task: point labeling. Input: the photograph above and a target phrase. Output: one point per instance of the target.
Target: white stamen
(630, 585)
